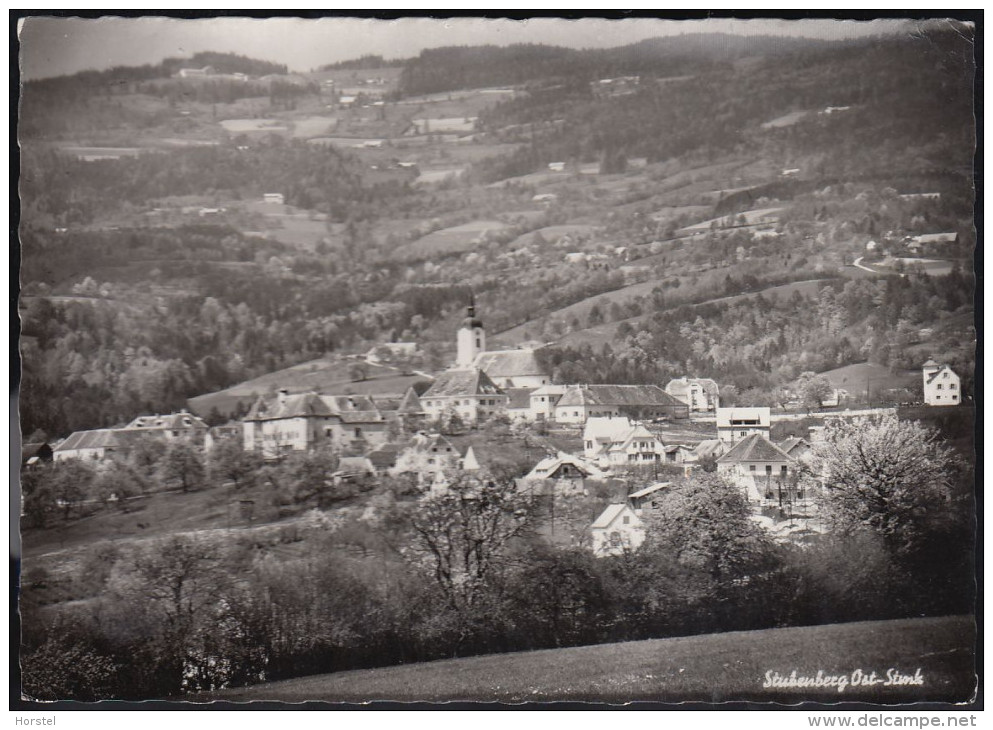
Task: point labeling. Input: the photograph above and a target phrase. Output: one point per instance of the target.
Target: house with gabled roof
(701, 395)
(580, 402)
(96, 444)
(426, 458)
(468, 392)
(518, 404)
(942, 386)
(543, 401)
(303, 421)
(759, 467)
(617, 530)
(565, 467)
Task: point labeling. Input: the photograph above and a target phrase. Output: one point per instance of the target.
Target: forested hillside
(141, 202)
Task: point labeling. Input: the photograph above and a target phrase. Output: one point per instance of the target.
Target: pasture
(707, 668)
(456, 239)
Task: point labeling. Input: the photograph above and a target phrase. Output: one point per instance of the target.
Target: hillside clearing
(710, 668)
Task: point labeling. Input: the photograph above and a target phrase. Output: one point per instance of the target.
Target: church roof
(508, 363)
(469, 381)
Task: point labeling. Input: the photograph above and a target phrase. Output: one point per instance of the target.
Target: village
(636, 438)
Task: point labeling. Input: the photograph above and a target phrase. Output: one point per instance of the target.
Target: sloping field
(856, 378)
(323, 376)
(751, 218)
(552, 234)
(711, 668)
(456, 239)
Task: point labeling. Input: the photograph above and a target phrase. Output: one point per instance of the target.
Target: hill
(711, 668)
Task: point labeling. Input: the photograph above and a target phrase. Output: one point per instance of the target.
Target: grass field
(322, 375)
(457, 239)
(855, 378)
(711, 668)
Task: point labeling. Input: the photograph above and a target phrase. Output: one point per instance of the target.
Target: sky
(55, 46)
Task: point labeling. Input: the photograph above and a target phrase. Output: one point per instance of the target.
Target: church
(476, 385)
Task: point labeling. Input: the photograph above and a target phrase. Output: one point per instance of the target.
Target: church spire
(471, 336)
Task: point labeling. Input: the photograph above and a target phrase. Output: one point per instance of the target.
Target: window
(951, 386)
(615, 539)
(945, 374)
(478, 343)
(626, 520)
(939, 386)
(575, 413)
(751, 467)
(782, 469)
(954, 397)
(768, 469)
(358, 432)
(743, 433)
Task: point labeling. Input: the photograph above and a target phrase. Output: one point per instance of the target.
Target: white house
(273, 198)
(617, 530)
(427, 458)
(760, 468)
(734, 424)
(469, 393)
(302, 421)
(543, 401)
(600, 432)
(942, 386)
(700, 394)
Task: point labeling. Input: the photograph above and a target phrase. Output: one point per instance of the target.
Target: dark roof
(508, 363)
(385, 457)
(40, 449)
(754, 448)
(792, 443)
(519, 397)
(939, 371)
(470, 381)
(410, 404)
(619, 395)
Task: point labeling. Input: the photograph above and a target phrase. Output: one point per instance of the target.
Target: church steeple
(471, 337)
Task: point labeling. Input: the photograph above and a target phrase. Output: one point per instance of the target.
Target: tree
(886, 476)
(228, 460)
(182, 463)
(463, 535)
(813, 389)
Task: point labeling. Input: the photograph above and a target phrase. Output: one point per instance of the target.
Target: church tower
(471, 337)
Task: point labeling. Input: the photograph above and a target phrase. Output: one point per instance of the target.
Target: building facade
(942, 386)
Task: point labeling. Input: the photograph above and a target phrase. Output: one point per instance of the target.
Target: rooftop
(469, 381)
(754, 448)
(617, 395)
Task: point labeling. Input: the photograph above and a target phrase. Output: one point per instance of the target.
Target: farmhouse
(760, 468)
(304, 421)
(942, 385)
(581, 402)
(96, 444)
(617, 530)
(734, 424)
(700, 394)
